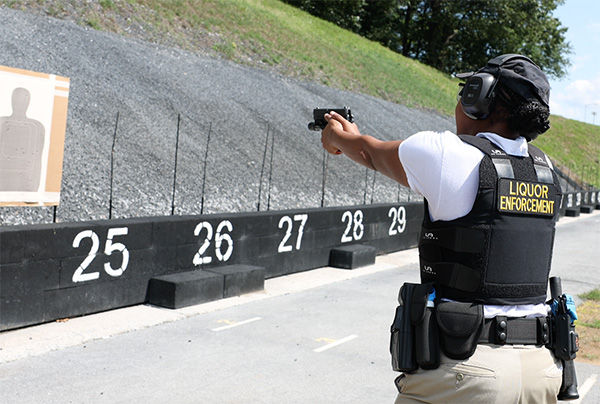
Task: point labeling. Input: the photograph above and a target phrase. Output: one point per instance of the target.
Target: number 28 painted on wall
(355, 228)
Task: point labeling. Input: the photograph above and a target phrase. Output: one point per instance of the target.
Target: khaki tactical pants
(494, 374)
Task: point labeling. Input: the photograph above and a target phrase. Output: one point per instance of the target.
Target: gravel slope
(149, 87)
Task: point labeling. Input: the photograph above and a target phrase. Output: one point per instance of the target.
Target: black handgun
(319, 117)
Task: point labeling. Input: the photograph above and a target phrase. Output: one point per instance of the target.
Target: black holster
(564, 341)
(414, 335)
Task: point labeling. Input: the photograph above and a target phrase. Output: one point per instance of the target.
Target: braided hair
(528, 117)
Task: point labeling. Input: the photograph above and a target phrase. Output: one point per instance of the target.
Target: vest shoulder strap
(486, 146)
(500, 159)
(540, 163)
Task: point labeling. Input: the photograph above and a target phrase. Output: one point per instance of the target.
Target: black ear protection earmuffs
(477, 94)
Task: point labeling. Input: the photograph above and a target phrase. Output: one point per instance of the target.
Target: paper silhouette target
(33, 114)
(21, 146)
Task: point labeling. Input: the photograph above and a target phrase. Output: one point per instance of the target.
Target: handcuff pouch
(460, 326)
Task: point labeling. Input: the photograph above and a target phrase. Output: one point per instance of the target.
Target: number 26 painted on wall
(221, 236)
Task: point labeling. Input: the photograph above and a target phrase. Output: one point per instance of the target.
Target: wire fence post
(204, 169)
(112, 167)
(175, 168)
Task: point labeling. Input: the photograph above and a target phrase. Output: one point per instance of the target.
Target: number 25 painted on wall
(109, 248)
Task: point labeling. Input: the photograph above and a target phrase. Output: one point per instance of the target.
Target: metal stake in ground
(373, 186)
(262, 170)
(112, 167)
(270, 171)
(204, 169)
(325, 164)
(175, 168)
(366, 186)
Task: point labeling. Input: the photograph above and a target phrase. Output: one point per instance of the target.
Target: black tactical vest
(500, 252)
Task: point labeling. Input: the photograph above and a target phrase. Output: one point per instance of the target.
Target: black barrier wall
(53, 271)
(578, 199)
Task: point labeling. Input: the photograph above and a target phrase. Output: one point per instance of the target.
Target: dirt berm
(149, 86)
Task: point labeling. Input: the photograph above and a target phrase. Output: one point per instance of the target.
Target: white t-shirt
(445, 170)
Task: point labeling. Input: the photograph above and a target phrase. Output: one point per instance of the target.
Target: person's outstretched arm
(341, 136)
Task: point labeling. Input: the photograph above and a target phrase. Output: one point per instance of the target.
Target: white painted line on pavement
(40, 339)
(586, 387)
(226, 327)
(336, 343)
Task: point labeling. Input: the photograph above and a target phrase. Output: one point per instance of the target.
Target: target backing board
(33, 120)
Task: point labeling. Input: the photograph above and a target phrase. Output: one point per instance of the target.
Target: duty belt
(502, 330)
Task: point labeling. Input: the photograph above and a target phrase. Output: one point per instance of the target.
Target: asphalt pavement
(319, 336)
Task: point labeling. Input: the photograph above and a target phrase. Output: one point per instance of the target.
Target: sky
(577, 95)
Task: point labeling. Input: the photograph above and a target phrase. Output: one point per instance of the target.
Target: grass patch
(226, 49)
(591, 295)
(93, 22)
(107, 4)
(588, 327)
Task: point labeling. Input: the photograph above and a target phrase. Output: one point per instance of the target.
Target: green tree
(343, 13)
(378, 21)
(461, 35)
(455, 35)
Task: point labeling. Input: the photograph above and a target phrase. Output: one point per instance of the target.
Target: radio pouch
(460, 325)
(422, 318)
(402, 337)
